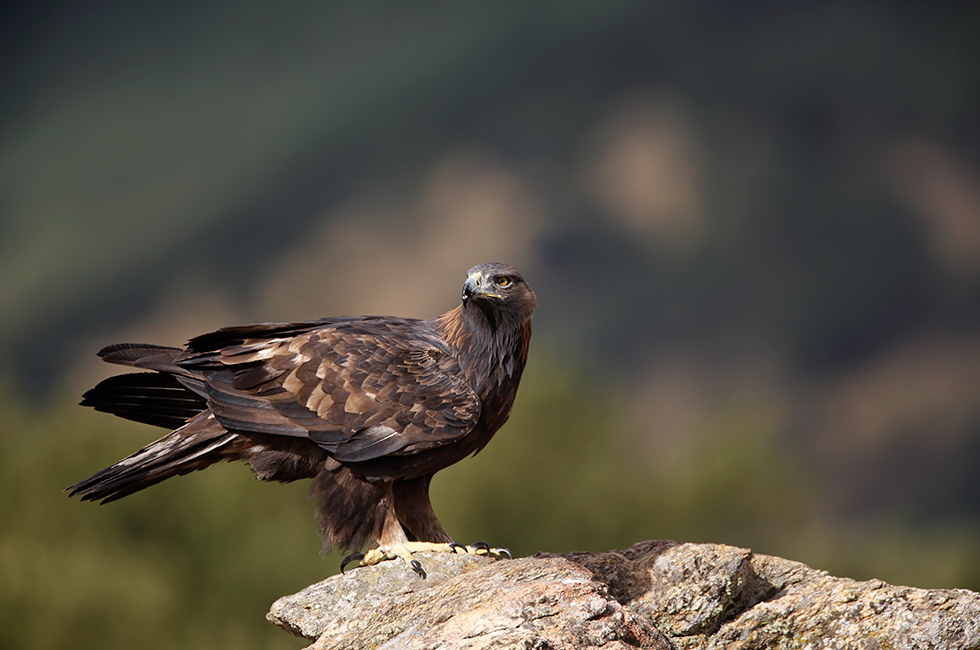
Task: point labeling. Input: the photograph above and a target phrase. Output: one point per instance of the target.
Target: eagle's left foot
(405, 551)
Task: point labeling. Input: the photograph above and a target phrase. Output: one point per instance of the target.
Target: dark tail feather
(142, 355)
(196, 445)
(147, 397)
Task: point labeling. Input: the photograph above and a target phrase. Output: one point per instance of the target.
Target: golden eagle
(369, 407)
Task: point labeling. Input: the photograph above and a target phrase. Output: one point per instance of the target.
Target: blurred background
(753, 227)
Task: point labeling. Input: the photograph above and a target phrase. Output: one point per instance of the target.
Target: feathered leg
(409, 525)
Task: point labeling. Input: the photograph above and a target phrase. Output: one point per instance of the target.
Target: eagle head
(499, 291)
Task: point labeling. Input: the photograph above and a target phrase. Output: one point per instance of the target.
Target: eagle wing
(361, 389)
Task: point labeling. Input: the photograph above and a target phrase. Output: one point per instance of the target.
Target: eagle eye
(503, 281)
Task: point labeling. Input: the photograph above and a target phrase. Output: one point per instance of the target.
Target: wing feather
(361, 389)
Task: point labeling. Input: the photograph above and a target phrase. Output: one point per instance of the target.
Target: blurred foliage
(195, 562)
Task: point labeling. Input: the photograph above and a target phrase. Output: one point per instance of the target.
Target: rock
(652, 595)
(465, 601)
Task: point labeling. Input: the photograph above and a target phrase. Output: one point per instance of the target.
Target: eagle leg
(412, 512)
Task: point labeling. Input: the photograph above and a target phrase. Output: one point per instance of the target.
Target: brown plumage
(368, 407)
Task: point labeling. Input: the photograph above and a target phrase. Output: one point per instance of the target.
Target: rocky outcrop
(653, 595)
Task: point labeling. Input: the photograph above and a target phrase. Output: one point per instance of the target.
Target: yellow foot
(480, 548)
(405, 551)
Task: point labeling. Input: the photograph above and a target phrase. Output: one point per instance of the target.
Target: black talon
(417, 568)
(504, 551)
(454, 545)
(480, 546)
(350, 558)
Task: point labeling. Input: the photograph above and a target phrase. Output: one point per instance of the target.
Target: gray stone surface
(652, 595)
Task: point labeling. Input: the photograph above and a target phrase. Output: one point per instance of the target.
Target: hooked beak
(476, 285)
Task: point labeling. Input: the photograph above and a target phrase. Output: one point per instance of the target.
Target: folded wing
(360, 389)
